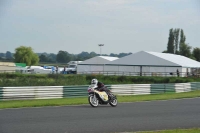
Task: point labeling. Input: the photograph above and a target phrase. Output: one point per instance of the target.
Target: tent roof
(109, 58)
(99, 60)
(156, 59)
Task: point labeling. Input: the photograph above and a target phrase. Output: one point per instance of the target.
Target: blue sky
(80, 25)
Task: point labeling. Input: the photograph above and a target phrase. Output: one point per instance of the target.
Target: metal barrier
(123, 73)
(35, 92)
(131, 89)
(156, 74)
(75, 91)
(50, 92)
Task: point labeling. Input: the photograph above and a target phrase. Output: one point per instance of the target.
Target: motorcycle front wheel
(113, 101)
(92, 99)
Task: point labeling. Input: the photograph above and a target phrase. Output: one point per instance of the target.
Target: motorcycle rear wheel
(94, 102)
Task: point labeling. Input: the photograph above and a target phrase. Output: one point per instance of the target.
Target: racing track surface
(139, 116)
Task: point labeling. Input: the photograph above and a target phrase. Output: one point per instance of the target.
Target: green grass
(84, 100)
(42, 102)
(193, 130)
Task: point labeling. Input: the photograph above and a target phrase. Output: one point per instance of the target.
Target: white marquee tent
(95, 64)
(152, 63)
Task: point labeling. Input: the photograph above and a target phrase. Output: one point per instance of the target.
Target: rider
(100, 86)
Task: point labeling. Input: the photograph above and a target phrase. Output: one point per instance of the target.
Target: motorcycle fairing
(103, 95)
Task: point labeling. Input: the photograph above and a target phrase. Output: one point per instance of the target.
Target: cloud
(85, 22)
(111, 11)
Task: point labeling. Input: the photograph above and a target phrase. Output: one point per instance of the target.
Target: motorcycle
(100, 97)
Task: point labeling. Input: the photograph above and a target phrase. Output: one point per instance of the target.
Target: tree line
(26, 55)
(177, 45)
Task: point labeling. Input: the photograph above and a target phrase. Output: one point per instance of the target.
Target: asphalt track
(126, 117)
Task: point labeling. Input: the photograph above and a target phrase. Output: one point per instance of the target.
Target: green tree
(26, 55)
(182, 38)
(73, 57)
(83, 56)
(185, 50)
(43, 58)
(2, 55)
(92, 54)
(63, 57)
(52, 57)
(170, 45)
(176, 40)
(35, 59)
(123, 54)
(165, 51)
(9, 55)
(196, 53)
(113, 55)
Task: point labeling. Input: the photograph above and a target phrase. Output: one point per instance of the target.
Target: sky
(75, 26)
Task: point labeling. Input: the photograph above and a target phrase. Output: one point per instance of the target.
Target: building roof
(147, 58)
(99, 60)
(109, 58)
(178, 59)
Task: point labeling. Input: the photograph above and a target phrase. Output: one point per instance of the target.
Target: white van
(72, 67)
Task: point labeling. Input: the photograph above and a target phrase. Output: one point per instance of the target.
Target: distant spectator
(56, 69)
(177, 71)
(188, 74)
(64, 70)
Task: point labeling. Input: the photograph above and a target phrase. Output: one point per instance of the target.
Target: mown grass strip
(193, 130)
(42, 102)
(84, 100)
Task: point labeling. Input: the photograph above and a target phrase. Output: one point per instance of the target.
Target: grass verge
(83, 100)
(193, 130)
(164, 96)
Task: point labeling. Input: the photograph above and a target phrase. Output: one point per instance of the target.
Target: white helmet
(94, 82)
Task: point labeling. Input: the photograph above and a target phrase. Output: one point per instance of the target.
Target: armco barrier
(131, 89)
(1, 93)
(162, 88)
(195, 85)
(157, 88)
(32, 92)
(75, 91)
(169, 88)
(50, 92)
(183, 87)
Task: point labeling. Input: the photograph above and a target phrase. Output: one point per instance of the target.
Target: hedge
(8, 79)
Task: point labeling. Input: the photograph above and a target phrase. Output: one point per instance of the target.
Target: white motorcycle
(100, 97)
